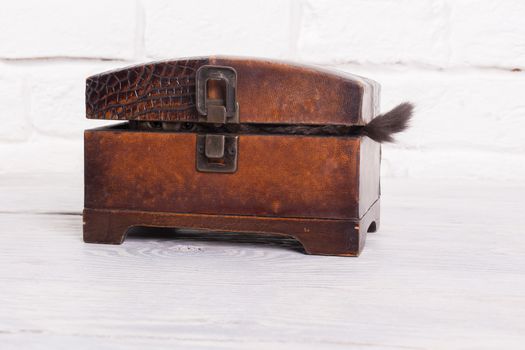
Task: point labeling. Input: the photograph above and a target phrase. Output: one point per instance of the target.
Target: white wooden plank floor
(445, 271)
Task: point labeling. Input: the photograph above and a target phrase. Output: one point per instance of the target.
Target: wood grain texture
(446, 271)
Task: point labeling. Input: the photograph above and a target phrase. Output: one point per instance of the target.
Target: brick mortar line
(416, 66)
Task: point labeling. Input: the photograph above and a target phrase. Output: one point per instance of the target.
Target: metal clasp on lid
(217, 110)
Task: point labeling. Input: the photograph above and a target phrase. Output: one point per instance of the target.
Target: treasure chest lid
(231, 90)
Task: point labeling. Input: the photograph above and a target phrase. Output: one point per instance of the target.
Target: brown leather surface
(267, 92)
(277, 175)
(154, 91)
(284, 93)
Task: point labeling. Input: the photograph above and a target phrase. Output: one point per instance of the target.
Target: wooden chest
(233, 145)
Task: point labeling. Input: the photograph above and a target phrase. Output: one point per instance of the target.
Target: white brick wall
(408, 31)
(63, 28)
(195, 28)
(459, 61)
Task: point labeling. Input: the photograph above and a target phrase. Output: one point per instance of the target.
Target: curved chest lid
(231, 90)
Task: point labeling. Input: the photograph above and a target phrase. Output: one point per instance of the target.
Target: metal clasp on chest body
(217, 153)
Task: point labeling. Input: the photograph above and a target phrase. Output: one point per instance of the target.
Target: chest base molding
(317, 236)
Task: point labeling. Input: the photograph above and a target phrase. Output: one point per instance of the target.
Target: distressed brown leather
(268, 92)
(155, 91)
(281, 176)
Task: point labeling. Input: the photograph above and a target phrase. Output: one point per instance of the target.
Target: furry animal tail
(382, 127)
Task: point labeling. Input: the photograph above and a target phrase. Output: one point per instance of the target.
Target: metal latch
(219, 109)
(217, 153)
